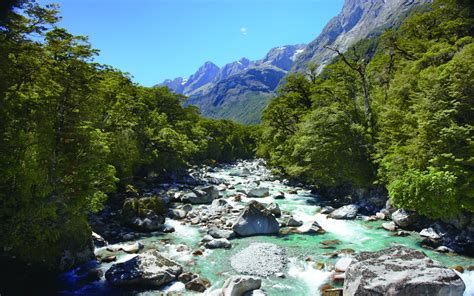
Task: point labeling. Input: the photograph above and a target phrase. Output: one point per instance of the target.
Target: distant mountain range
(241, 90)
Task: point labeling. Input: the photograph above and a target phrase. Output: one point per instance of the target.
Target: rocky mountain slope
(242, 89)
(357, 20)
(239, 90)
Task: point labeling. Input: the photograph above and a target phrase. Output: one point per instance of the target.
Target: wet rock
(280, 275)
(178, 214)
(146, 269)
(108, 259)
(430, 243)
(218, 243)
(404, 218)
(166, 228)
(342, 264)
(132, 248)
(315, 229)
(332, 292)
(239, 285)
(221, 233)
(338, 277)
(274, 209)
(99, 241)
(279, 195)
(260, 259)
(429, 233)
(331, 242)
(187, 208)
(389, 226)
(220, 204)
(186, 277)
(207, 238)
(401, 233)
(400, 271)
(292, 222)
(198, 285)
(381, 216)
(327, 210)
(444, 249)
(198, 253)
(244, 172)
(345, 212)
(259, 192)
(145, 214)
(182, 248)
(201, 195)
(256, 220)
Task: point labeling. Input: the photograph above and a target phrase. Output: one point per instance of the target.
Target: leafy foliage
(417, 136)
(72, 129)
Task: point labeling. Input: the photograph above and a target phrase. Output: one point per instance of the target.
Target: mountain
(206, 74)
(242, 89)
(357, 20)
(239, 90)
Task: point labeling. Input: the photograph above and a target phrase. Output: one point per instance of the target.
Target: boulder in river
(345, 212)
(404, 218)
(221, 233)
(315, 229)
(259, 192)
(147, 269)
(430, 233)
(389, 226)
(400, 271)
(274, 208)
(238, 286)
(256, 220)
(198, 285)
(218, 243)
(201, 195)
(292, 222)
(243, 172)
(279, 195)
(327, 210)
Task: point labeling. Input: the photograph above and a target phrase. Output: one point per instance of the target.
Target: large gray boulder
(404, 218)
(398, 271)
(201, 195)
(218, 243)
(146, 269)
(238, 286)
(345, 212)
(256, 220)
(259, 192)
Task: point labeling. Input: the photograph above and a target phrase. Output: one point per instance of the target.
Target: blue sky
(158, 39)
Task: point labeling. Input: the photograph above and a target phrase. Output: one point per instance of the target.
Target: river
(301, 276)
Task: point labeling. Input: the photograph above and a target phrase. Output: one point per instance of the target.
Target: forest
(395, 111)
(73, 132)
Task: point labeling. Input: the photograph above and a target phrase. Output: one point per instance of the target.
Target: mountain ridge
(221, 95)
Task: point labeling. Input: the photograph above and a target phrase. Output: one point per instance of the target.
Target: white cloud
(243, 31)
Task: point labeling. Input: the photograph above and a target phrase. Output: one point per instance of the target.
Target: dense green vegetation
(396, 110)
(72, 131)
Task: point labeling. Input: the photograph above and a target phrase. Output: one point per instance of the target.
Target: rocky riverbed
(236, 229)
